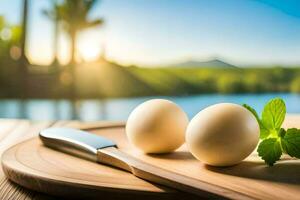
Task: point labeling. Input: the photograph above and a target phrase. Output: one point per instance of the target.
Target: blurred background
(96, 60)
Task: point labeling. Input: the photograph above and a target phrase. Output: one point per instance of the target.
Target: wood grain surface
(12, 132)
(251, 177)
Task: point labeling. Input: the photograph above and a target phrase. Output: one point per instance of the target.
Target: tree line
(198, 80)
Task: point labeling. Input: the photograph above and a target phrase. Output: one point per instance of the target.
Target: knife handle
(114, 157)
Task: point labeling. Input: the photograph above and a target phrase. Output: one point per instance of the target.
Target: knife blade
(105, 151)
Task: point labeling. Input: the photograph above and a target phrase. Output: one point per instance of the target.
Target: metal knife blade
(76, 142)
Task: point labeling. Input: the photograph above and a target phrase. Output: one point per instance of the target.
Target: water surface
(119, 109)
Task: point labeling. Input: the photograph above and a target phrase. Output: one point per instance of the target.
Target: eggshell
(223, 134)
(157, 126)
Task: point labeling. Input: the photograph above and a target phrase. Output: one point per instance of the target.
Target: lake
(119, 109)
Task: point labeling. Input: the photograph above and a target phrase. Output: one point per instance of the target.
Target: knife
(105, 151)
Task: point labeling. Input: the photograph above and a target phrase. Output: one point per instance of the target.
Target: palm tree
(74, 14)
(53, 14)
(23, 59)
(24, 30)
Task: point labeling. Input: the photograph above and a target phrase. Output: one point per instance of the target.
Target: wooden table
(14, 131)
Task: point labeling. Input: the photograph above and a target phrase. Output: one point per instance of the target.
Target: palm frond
(94, 23)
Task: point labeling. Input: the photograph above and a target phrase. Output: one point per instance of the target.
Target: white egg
(223, 134)
(157, 126)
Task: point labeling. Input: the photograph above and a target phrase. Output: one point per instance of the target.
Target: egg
(222, 134)
(157, 126)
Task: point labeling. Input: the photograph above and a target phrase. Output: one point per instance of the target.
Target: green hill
(106, 79)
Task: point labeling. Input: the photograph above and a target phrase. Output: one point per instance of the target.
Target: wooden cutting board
(39, 168)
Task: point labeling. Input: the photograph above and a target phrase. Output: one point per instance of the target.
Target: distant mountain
(215, 63)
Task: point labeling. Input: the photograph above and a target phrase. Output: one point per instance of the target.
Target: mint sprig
(275, 140)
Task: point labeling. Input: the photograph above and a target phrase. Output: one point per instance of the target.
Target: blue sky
(151, 32)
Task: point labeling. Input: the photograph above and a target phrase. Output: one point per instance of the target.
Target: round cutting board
(37, 167)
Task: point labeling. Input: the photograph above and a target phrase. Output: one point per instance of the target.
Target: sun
(88, 49)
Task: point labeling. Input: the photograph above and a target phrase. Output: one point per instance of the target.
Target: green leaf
(274, 114)
(270, 150)
(291, 142)
(263, 131)
(282, 132)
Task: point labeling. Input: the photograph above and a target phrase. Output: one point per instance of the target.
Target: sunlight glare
(88, 49)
